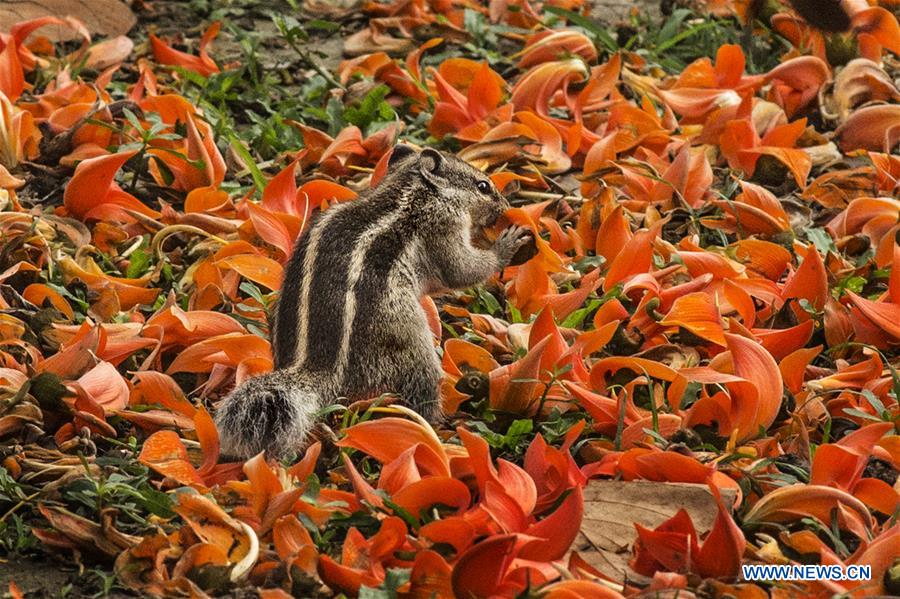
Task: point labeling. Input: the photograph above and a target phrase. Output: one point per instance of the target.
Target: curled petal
(790, 503)
(553, 45)
(202, 65)
(874, 128)
(536, 87)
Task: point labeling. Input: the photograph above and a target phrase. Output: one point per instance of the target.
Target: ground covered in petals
(712, 299)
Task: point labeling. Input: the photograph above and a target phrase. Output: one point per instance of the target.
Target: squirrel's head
(453, 182)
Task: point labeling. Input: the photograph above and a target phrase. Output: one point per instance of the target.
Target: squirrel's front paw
(509, 243)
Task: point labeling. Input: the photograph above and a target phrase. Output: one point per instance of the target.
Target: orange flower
(674, 546)
(93, 194)
(467, 116)
(202, 65)
(742, 147)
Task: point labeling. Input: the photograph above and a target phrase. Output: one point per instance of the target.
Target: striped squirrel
(348, 324)
(827, 15)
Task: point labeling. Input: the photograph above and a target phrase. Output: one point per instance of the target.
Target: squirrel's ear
(431, 162)
(399, 153)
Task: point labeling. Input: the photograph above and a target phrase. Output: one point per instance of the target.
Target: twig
(162, 234)
(14, 508)
(16, 399)
(311, 63)
(543, 195)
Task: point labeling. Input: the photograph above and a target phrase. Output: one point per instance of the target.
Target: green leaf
(576, 318)
(138, 262)
(895, 378)
(133, 120)
(853, 283)
(312, 489)
(321, 25)
(860, 414)
(371, 110)
(412, 520)
(514, 314)
(164, 170)
(253, 291)
(588, 263)
(394, 578)
(156, 502)
(656, 436)
(241, 150)
(487, 303)
(821, 239)
(495, 440)
(667, 33)
(516, 431)
(875, 403)
(335, 111)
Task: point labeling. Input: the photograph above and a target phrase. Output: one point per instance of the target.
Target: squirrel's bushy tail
(272, 412)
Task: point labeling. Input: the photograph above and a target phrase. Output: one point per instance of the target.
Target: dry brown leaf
(612, 508)
(17, 417)
(103, 17)
(109, 52)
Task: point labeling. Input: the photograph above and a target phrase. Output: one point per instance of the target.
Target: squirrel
(827, 15)
(348, 324)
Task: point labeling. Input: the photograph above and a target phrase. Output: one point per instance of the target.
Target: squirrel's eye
(483, 186)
